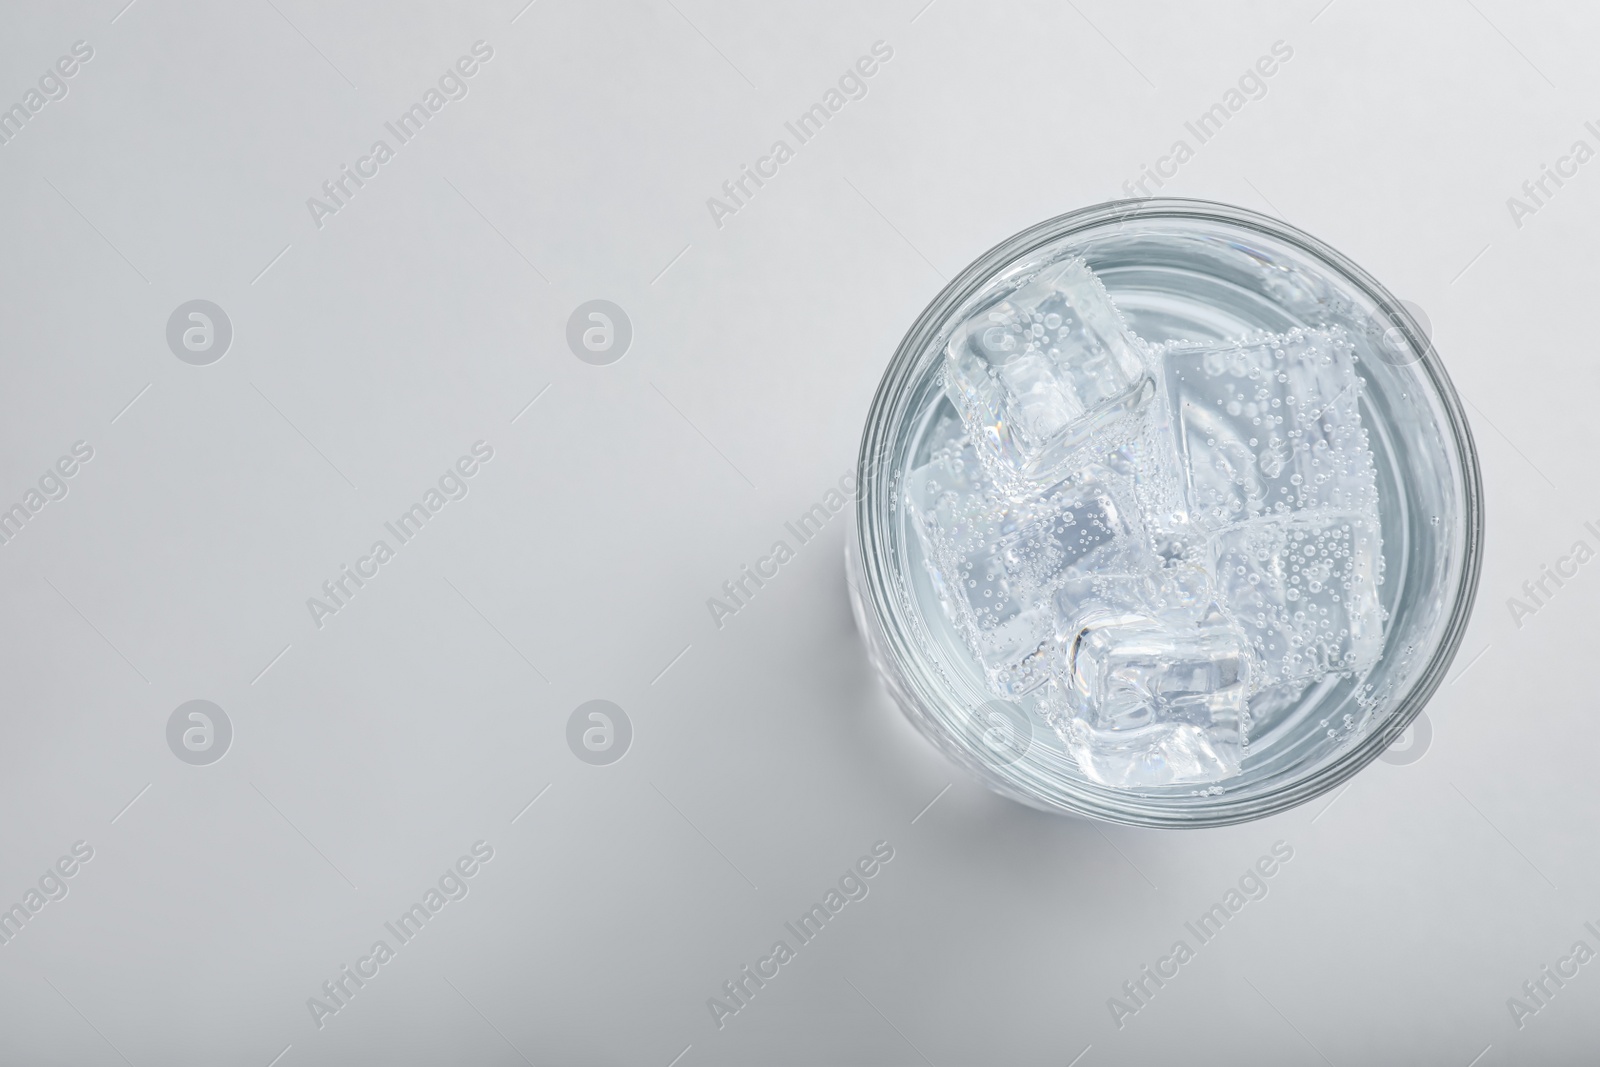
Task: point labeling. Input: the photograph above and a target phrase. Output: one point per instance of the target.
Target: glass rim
(872, 533)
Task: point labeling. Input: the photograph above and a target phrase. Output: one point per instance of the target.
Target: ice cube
(1035, 375)
(996, 559)
(1267, 426)
(1158, 754)
(1102, 593)
(1071, 529)
(1304, 588)
(1130, 583)
(1142, 452)
(961, 522)
(1146, 701)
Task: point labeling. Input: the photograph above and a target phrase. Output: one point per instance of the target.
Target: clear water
(1177, 271)
(1149, 536)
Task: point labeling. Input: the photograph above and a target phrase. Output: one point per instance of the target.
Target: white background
(369, 353)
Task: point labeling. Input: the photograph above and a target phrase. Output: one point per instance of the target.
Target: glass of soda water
(1167, 515)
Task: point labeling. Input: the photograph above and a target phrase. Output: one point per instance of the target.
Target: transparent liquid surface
(1144, 537)
(1209, 569)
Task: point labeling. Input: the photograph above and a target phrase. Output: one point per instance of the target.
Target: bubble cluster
(1159, 545)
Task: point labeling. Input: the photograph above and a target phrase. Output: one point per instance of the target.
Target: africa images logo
(738, 991)
(453, 885)
(452, 85)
